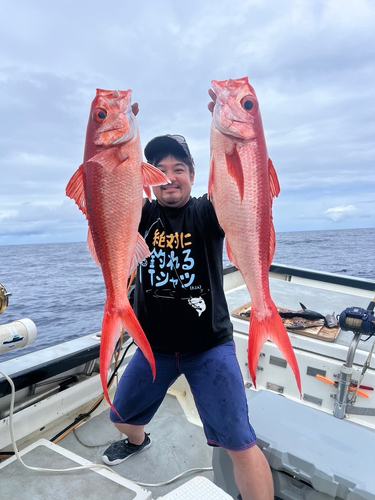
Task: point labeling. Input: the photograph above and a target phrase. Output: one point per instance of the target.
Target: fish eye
(100, 115)
(248, 104)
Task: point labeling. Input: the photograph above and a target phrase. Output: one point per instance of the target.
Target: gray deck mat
(177, 445)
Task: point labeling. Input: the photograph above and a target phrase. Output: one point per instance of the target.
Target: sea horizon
(277, 232)
(60, 287)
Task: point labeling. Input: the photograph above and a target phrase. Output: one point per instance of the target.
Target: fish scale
(112, 203)
(242, 186)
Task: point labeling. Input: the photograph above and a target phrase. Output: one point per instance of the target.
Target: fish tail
(270, 327)
(111, 331)
(132, 326)
(114, 320)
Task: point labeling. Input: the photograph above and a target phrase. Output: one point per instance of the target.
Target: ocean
(61, 289)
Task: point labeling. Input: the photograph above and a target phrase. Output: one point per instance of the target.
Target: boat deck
(179, 443)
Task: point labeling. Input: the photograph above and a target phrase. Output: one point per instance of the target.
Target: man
(180, 303)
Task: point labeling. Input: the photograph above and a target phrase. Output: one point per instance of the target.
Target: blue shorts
(217, 385)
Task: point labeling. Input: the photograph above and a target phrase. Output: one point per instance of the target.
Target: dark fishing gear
(359, 320)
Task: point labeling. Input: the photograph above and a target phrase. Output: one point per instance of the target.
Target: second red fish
(243, 183)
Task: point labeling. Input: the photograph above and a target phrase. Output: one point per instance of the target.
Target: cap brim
(164, 144)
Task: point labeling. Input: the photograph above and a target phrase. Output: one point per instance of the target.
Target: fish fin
(90, 244)
(270, 327)
(229, 253)
(152, 176)
(133, 327)
(147, 190)
(274, 192)
(235, 170)
(76, 190)
(111, 331)
(108, 158)
(274, 181)
(302, 306)
(113, 320)
(141, 252)
(272, 242)
(211, 178)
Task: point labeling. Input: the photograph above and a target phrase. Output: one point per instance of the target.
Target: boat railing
(309, 277)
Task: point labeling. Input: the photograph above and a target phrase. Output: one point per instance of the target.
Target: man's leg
(137, 399)
(252, 474)
(217, 384)
(135, 433)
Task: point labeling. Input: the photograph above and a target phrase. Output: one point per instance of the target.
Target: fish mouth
(121, 140)
(130, 133)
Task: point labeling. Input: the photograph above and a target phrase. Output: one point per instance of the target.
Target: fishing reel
(4, 298)
(358, 320)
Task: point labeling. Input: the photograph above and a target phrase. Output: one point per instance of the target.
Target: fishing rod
(361, 322)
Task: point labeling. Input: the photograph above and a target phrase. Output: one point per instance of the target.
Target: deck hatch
(275, 387)
(274, 360)
(315, 371)
(313, 399)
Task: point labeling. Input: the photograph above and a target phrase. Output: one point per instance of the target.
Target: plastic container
(313, 455)
(16, 335)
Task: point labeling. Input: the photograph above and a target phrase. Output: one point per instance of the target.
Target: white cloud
(337, 214)
(311, 64)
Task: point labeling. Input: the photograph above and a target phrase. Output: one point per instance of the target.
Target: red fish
(242, 185)
(108, 188)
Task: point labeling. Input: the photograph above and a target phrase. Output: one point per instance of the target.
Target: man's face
(176, 194)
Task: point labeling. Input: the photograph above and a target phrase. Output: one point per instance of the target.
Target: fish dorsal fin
(152, 176)
(211, 177)
(274, 192)
(141, 252)
(76, 190)
(274, 181)
(90, 244)
(235, 170)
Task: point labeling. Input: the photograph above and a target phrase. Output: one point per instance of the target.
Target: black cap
(175, 145)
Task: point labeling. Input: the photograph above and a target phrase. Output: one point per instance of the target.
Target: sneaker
(121, 450)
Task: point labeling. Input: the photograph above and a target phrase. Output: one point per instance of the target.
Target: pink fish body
(108, 189)
(242, 185)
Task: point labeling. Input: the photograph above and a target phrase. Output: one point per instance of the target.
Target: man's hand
(211, 105)
(135, 108)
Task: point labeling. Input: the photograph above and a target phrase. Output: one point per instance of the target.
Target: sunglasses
(182, 142)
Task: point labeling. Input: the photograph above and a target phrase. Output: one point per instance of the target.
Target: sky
(311, 63)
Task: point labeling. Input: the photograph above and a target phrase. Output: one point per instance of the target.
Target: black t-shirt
(179, 297)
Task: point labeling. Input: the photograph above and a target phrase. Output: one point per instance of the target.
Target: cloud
(40, 223)
(337, 214)
(311, 64)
